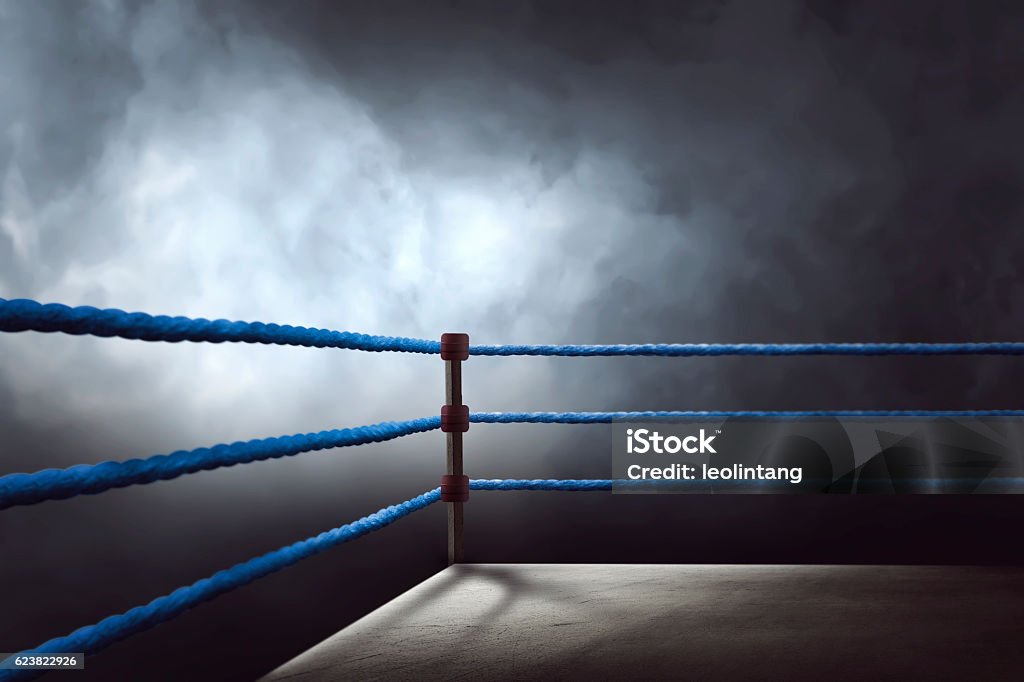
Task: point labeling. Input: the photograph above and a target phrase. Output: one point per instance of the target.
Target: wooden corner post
(454, 422)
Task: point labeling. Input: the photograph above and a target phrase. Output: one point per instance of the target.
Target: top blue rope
(716, 349)
(26, 315)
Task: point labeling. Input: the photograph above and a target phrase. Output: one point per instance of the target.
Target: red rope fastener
(454, 488)
(455, 347)
(454, 418)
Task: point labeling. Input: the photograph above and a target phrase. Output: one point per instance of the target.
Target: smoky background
(530, 172)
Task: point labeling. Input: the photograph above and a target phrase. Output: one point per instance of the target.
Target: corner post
(454, 422)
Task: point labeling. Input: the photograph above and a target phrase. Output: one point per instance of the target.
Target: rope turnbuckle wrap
(455, 418)
(455, 347)
(454, 488)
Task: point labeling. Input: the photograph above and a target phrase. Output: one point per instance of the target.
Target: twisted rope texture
(607, 417)
(88, 479)
(20, 315)
(540, 484)
(27, 315)
(93, 638)
(715, 349)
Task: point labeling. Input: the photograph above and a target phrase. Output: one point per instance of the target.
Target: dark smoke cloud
(526, 172)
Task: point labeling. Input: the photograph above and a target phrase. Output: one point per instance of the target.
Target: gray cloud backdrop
(528, 173)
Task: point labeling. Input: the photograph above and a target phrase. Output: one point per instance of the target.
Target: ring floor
(669, 622)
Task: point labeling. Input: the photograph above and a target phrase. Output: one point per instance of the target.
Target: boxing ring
(548, 593)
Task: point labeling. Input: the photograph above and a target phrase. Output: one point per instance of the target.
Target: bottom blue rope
(93, 638)
(541, 484)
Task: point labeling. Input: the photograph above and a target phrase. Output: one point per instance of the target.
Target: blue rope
(88, 479)
(93, 638)
(588, 484)
(607, 417)
(20, 315)
(715, 349)
(541, 484)
(576, 484)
